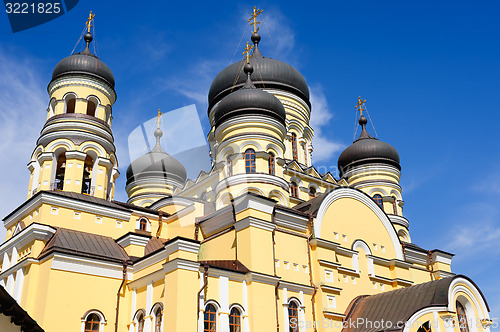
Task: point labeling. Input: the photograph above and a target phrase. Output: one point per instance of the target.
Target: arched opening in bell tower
(60, 170)
(88, 166)
(69, 103)
(92, 103)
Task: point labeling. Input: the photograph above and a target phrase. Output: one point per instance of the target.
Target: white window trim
(102, 319)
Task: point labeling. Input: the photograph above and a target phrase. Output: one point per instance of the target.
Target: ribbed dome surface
(367, 150)
(248, 101)
(157, 164)
(268, 73)
(84, 63)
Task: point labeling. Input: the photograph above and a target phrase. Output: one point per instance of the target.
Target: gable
(346, 214)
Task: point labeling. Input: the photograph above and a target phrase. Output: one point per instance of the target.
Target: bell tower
(75, 151)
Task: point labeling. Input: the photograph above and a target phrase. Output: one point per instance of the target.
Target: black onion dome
(367, 150)
(156, 163)
(84, 63)
(269, 73)
(248, 100)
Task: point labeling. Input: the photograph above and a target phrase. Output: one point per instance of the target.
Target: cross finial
(359, 105)
(256, 12)
(158, 118)
(246, 53)
(89, 21)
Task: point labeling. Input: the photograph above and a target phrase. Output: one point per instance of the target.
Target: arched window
(158, 320)
(69, 103)
(60, 169)
(462, 318)
(92, 323)
(235, 320)
(108, 114)
(143, 224)
(271, 162)
(395, 205)
(312, 192)
(52, 107)
(293, 316)
(378, 199)
(294, 190)
(210, 319)
(250, 161)
(229, 166)
(87, 176)
(92, 103)
(140, 322)
(294, 147)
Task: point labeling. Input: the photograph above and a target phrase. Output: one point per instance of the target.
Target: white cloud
(324, 147)
(22, 114)
(278, 33)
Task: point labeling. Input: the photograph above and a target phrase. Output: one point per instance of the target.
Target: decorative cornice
(133, 239)
(26, 236)
(243, 178)
(82, 81)
(294, 287)
(399, 220)
(254, 222)
(181, 264)
(217, 222)
(250, 201)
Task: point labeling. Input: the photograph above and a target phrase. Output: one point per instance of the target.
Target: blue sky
(429, 71)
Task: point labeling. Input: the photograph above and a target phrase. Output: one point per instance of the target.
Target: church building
(262, 241)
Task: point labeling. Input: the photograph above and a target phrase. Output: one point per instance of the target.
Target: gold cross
(246, 53)
(89, 20)
(158, 118)
(359, 105)
(256, 12)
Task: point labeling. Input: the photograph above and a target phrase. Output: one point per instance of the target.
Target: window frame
(214, 314)
(233, 325)
(463, 324)
(271, 161)
(378, 199)
(250, 162)
(229, 166)
(295, 309)
(294, 189)
(295, 153)
(88, 314)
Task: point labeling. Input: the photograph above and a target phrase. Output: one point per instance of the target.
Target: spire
(248, 68)
(158, 134)
(362, 119)
(255, 36)
(88, 36)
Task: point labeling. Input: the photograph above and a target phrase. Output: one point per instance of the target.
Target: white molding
(472, 291)
(414, 256)
(183, 245)
(367, 201)
(442, 257)
(261, 278)
(180, 264)
(89, 266)
(399, 220)
(133, 239)
(251, 178)
(31, 233)
(409, 324)
(297, 288)
(290, 220)
(145, 280)
(254, 222)
(217, 222)
(66, 202)
(159, 256)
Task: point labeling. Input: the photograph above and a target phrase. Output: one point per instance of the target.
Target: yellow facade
(262, 239)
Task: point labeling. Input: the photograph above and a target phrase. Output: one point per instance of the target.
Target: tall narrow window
(395, 205)
(52, 107)
(140, 323)
(61, 168)
(87, 174)
(462, 318)
(312, 192)
(143, 224)
(294, 190)
(271, 161)
(293, 317)
(250, 161)
(210, 319)
(92, 323)
(158, 320)
(235, 320)
(229, 166)
(378, 199)
(91, 106)
(70, 103)
(294, 147)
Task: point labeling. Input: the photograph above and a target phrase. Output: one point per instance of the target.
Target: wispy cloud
(324, 147)
(22, 113)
